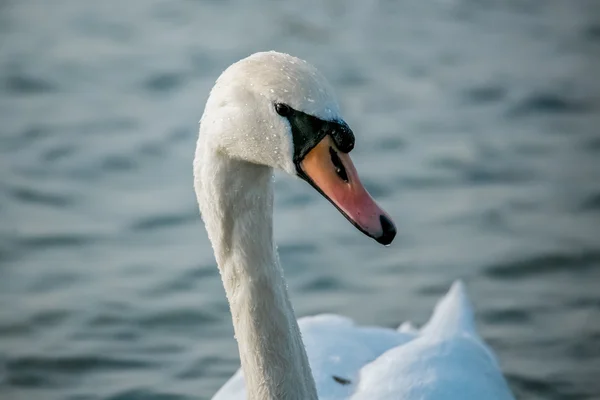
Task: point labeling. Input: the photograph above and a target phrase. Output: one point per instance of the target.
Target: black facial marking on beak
(388, 229)
(308, 130)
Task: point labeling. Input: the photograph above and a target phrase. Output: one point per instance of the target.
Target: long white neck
(236, 201)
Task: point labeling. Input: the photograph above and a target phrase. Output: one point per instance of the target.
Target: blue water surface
(477, 128)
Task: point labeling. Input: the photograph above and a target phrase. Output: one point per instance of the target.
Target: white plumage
(444, 360)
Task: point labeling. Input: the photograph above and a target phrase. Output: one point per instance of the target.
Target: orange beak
(332, 173)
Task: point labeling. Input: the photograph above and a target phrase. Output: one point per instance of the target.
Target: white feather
(444, 360)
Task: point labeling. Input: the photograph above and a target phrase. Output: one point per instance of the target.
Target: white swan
(272, 110)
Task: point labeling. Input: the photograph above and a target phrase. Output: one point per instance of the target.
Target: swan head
(277, 110)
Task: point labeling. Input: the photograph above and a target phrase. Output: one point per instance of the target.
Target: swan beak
(332, 173)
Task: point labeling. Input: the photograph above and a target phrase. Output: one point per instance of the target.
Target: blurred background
(477, 129)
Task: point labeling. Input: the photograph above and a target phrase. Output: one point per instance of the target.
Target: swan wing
(444, 360)
(447, 360)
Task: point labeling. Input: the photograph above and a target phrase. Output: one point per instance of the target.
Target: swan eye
(283, 109)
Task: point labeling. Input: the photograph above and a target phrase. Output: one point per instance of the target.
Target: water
(477, 129)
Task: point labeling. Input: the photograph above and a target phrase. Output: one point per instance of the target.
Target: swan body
(274, 111)
(444, 360)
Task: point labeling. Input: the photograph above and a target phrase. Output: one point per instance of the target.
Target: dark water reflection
(477, 128)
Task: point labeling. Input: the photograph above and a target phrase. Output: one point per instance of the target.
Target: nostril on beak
(339, 167)
(388, 230)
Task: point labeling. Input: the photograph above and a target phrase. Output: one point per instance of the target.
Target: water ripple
(181, 318)
(28, 85)
(546, 264)
(591, 202)
(529, 385)
(50, 240)
(322, 284)
(145, 394)
(484, 94)
(548, 103)
(508, 315)
(592, 32)
(158, 222)
(20, 369)
(164, 82)
(35, 195)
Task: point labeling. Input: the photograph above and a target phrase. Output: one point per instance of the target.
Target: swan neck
(272, 354)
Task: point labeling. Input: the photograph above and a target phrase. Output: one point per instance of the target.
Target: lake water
(477, 128)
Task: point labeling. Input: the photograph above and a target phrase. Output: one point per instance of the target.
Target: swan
(274, 111)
